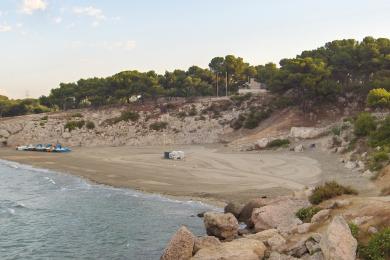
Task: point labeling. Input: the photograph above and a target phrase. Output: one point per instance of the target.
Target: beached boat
(44, 148)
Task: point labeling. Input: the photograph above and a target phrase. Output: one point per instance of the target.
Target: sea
(50, 215)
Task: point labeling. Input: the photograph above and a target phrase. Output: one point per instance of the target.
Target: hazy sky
(45, 42)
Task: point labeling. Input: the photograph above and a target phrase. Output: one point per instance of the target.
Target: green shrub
(278, 143)
(336, 130)
(72, 125)
(238, 123)
(77, 115)
(354, 229)
(125, 116)
(380, 156)
(378, 97)
(381, 136)
(254, 118)
(44, 118)
(305, 214)
(217, 107)
(239, 99)
(364, 124)
(282, 102)
(158, 126)
(329, 190)
(90, 125)
(378, 247)
(181, 114)
(129, 116)
(377, 160)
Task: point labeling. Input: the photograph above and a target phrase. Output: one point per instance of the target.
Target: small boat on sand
(44, 148)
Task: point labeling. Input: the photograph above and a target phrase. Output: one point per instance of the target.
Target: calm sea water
(48, 215)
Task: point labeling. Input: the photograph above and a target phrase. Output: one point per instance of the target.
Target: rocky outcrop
(203, 242)
(189, 130)
(181, 246)
(277, 256)
(234, 208)
(263, 236)
(240, 249)
(304, 228)
(320, 216)
(338, 242)
(279, 215)
(307, 132)
(276, 242)
(246, 212)
(223, 226)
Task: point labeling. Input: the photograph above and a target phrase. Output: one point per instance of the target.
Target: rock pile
(273, 232)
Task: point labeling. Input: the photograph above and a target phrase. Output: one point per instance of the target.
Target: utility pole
(226, 83)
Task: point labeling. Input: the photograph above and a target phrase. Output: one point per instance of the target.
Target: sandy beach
(208, 172)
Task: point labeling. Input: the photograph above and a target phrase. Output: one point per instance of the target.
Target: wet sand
(209, 173)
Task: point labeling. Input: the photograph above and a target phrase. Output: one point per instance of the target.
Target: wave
(81, 183)
(16, 165)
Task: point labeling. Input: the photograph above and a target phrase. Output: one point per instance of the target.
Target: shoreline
(210, 173)
(182, 199)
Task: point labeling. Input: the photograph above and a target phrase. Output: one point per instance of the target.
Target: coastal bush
(125, 116)
(254, 118)
(278, 143)
(378, 97)
(329, 190)
(239, 99)
(381, 136)
(282, 102)
(305, 214)
(364, 124)
(181, 114)
(378, 159)
(336, 130)
(238, 122)
(77, 115)
(218, 107)
(158, 126)
(378, 246)
(90, 125)
(354, 229)
(72, 125)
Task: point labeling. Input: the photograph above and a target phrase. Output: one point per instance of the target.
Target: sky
(45, 42)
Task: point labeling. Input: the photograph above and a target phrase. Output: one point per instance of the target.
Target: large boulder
(181, 246)
(277, 256)
(279, 215)
(263, 236)
(206, 241)
(307, 132)
(338, 242)
(263, 142)
(320, 216)
(234, 208)
(223, 226)
(246, 212)
(240, 249)
(276, 242)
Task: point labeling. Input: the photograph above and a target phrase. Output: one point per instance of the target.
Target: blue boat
(44, 148)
